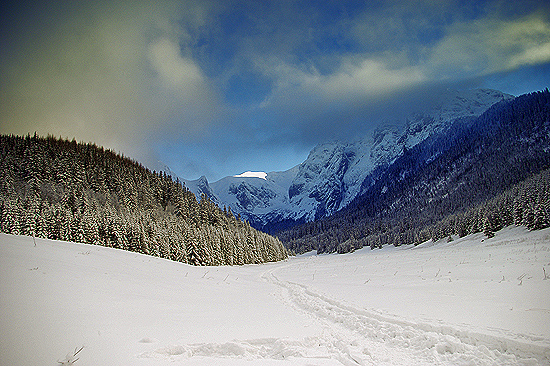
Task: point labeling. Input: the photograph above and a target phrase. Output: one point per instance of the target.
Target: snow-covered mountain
(336, 172)
(201, 186)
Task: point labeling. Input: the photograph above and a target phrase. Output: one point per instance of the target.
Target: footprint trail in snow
(361, 338)
(353, 336)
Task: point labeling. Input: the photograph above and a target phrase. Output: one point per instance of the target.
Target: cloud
(490, 45)
(226, 83)
(175, 71)
(366, 78)
(531, 41)
(424, 41)
(309, 106)
(110, 72)
(400, 54)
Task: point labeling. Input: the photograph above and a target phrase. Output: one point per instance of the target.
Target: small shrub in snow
(70, 359)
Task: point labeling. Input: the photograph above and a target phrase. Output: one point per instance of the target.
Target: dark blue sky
(219, 87)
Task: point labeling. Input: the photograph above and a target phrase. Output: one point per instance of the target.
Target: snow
(265, 195)
(334, 172)
(471, 301)
(249, 174)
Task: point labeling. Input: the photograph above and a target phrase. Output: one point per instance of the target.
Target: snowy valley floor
(473, 301)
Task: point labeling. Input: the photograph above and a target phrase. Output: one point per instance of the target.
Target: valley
(471, 301)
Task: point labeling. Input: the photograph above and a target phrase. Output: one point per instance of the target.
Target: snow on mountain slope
(334, 172)
(472, 301)
(249, 174)
(201, 186)
(249, 193)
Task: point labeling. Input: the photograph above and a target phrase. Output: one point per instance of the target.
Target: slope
(65, 190)
(474, 301)
(447, 174)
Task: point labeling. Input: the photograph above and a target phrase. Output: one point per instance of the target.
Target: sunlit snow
(471, 301)
(261, 175)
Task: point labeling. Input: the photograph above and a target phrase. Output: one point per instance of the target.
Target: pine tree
(488, 227)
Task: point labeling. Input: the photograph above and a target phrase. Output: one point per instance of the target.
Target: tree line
(64, 190)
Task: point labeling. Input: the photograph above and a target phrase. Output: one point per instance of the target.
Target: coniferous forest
(64, 190)
(483, 174)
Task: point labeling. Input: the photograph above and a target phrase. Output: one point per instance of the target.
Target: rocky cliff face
(336, 172)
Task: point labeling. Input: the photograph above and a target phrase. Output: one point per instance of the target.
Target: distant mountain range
(337, 172)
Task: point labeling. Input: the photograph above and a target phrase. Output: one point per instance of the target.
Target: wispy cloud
(490, 45)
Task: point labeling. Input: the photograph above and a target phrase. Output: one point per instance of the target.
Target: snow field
(490, 294)
(473, 301)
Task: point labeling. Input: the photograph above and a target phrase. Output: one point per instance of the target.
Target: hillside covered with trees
(64, 190)
(485, 173)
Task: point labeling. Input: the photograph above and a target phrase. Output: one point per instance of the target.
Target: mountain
(336, 172)
(199, 187)
(479, 174)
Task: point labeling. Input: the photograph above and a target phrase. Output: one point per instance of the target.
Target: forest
(483, 174)
(65, 190)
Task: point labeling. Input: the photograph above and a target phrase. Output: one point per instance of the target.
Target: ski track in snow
(354, 336)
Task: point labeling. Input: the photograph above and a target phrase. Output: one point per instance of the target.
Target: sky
(216, 88)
